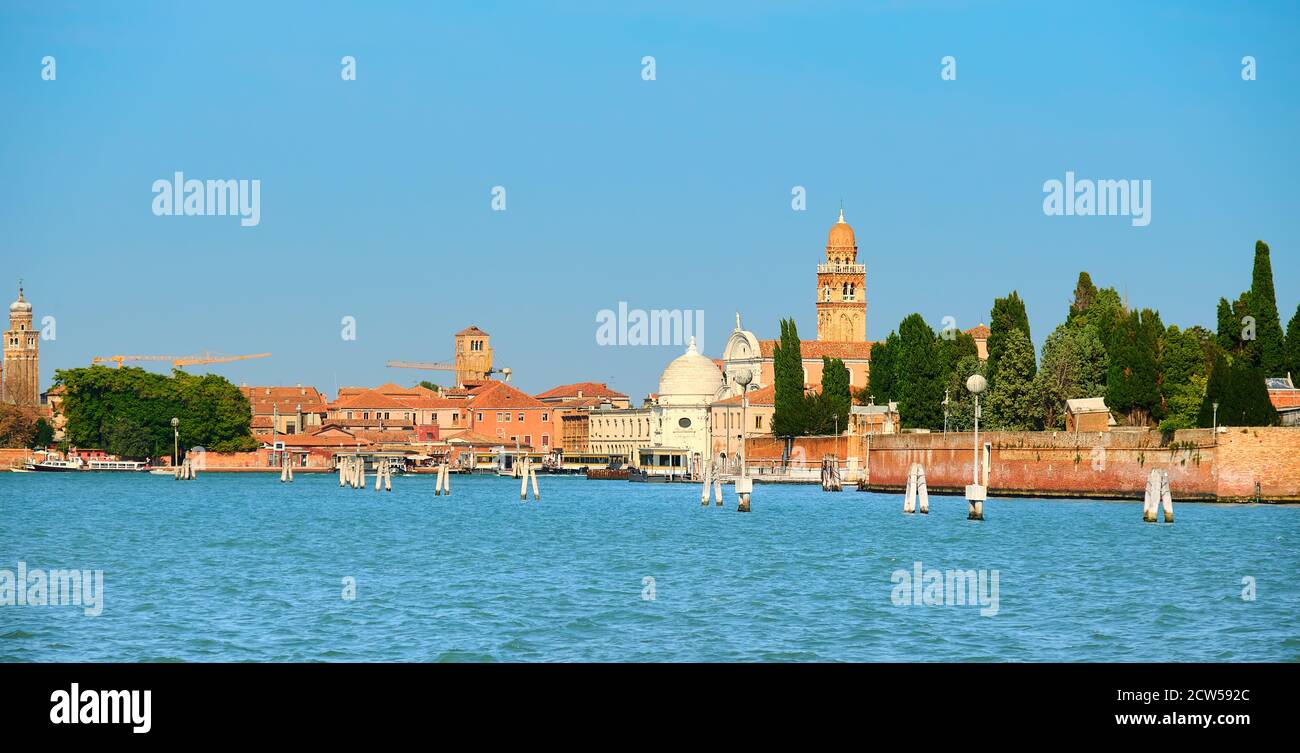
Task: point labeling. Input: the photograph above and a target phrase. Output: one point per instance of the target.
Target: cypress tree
(1007, 314)
(789, 417)
(1229, 330)
(920, 376)
(1241, 393)
(1132, 381)
(882, 377)
(1011, 398)
(1293, 346)
(1084, 294)
(835, 387)
(1263, 306)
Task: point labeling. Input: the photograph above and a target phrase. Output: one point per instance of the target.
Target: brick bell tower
(22, 356)
(842, 288)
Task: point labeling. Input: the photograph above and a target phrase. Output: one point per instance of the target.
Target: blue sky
(672, 193)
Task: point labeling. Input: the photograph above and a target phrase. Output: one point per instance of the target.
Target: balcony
(848, 269)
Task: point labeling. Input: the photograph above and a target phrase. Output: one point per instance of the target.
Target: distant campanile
(21, 374)
(841, 288)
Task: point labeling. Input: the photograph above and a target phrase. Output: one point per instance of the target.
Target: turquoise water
(243, 568)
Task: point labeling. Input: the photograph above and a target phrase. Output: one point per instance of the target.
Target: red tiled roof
(979, 332)
(369, 399)
(285, 400)
(761, 396)
(846, 350)
(588, 389)
(501, 395)
(471, 330)
(1283, 399)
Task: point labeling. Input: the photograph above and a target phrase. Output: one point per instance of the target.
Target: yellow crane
(179, 361)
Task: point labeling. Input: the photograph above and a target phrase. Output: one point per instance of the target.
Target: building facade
(20, 377)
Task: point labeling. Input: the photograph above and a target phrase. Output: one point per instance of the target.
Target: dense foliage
(789, 417)
(128, 411)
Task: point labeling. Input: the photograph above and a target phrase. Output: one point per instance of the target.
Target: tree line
(128, 412)
(1149, 374)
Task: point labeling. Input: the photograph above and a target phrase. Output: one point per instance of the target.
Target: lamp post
(1215, 430)
(975, 493)
(176, 441)
(744, 484)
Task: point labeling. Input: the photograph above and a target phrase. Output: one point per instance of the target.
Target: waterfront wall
(1238, 465)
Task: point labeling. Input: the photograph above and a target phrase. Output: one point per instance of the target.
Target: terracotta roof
(501, 395)
(471, 330)
(369, 399)
(475, 439)
(587, 389)
(1284, 399)
(762, 396)
(381, 437)
(267, 400)
(815, 349)
(979, 332)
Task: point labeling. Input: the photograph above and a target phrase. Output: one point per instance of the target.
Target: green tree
(961, 404)
(44, 434)
(884, 371)
(1268, 350)
(827, 409)
(1007, 314)
(1084, 295)
(1293, 346)
(919, 372)
(17, 425)
(1133, 379)
(425, 383)
(790, 410)
(128, 411)
(1011, 396)
(1183, 404)
(1241, 394)
(1073, 366)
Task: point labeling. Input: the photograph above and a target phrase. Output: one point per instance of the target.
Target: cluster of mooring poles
(443, 484)
(712, 477)
(286, 468)
(916, 490)
(384, 476)
(185, 471)
(352, 472)
(524, 470)
(1157, 495)
(831, 481)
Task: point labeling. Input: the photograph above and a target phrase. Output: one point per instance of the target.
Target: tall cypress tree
(920, 375)
(882, 378)
(1293, 346)
(789, 417)
(1262, 300)
(1133, 380)
(1241, 393)
(1011, 399)
(1084, 294)
(1007, 314)
(1229, 330)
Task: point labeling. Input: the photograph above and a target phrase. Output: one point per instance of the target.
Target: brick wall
(1095, 464)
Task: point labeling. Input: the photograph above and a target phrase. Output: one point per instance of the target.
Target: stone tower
(21, 374)
(473, 351)
(842, 288)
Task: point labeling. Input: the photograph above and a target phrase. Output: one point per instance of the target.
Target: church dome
(841, 234)
(691, 379)
(21, 304)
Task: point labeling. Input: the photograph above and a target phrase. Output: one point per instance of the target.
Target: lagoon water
(239, 567)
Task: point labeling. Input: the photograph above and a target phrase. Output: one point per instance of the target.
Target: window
(546, 440)
(480, 416)
(521, 418)
(758, 422)
(546, 417)
(528, 439)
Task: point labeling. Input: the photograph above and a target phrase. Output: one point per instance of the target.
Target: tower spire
(841, 210)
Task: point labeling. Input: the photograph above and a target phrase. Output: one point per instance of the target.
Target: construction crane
(442, 366)
(179, 361)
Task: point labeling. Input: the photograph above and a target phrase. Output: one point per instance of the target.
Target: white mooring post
(708, 481)
(1166, 500)
(909, 496)
(1157, 496)
(388, 479)
(437, 481)
(446, 478)
(533, 473)
(923, 495)
(522, 473)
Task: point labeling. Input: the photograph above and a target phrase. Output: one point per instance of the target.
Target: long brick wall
(1242, 465)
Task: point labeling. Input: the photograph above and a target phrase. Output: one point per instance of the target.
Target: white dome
(21, 304)
(691, 379)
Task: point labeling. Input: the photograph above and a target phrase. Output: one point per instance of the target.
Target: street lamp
(176, 441)
(975, 493)
(1216, 422)
(744, 485)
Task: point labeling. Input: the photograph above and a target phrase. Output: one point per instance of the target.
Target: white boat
(116, 465)
(56, 466)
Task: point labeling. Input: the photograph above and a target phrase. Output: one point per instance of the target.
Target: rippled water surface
(243, 568)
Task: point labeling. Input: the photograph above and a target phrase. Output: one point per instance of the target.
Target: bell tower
(473, 349)
(842, 288)
(22, 355)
